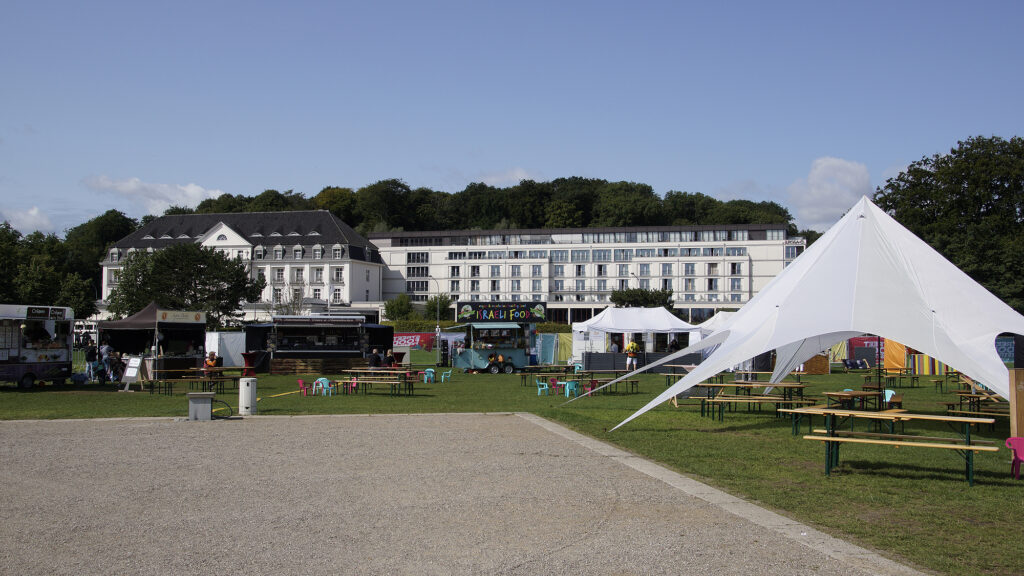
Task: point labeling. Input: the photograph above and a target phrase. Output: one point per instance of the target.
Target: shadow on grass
(904, 471)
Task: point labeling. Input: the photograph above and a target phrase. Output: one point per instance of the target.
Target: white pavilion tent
(589, 336)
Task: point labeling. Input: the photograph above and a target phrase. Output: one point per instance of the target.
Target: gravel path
(382, 494)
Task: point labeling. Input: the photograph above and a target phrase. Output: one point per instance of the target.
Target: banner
(424, 340)
(503, 312)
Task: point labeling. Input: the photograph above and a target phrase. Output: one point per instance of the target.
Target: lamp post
(637, 279)
(437, 319)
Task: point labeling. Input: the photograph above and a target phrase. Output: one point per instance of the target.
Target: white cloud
(830, 189)
(28, 221)
(509, 177)
(154, 198)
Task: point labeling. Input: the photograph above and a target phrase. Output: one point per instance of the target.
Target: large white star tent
(866, 275)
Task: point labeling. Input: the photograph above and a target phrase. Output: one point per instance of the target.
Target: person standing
(374, 360)
(632, 352)
(106, 351)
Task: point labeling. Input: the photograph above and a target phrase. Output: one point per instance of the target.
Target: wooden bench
(852, 434)
(724, 399)
(967, 450)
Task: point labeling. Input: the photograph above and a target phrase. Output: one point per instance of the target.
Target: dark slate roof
(303, 227)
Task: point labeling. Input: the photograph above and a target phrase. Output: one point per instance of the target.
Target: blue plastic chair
(572, 387)
(445, 376)
(325, 385)
(428, 376)
(542, 386)
(888, 395)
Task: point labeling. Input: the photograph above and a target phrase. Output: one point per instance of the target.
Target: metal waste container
(246, 396)
(200, 406)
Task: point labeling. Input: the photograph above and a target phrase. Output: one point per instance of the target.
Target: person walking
(632, 352)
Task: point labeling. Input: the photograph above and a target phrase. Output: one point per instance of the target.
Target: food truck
(35, 343)
(499, 335)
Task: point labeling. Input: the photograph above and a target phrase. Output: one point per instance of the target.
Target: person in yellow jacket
(632, 351)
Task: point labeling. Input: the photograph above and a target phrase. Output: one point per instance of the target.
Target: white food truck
(35, 344)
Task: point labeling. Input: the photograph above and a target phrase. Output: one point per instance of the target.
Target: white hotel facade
(574, 271)
(315, 263)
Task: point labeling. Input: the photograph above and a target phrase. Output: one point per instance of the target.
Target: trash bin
(246, 396)
(200, 406)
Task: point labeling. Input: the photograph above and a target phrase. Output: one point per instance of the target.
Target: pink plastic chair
(556, 386)
(1017, 445)
(351, 385)
(303, 388)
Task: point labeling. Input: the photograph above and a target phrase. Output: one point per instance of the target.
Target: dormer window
(297, 253)
(183, 236)
(318, 253)
(278, 253)
(148, 237)
(115, 255)
(259, 252)
(337, 252)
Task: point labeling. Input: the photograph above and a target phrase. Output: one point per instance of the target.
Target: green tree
(627, 204)
(969, 205)
(641, 298)
(87, 243)
(438, 305)
(185, 277)
(77, 293)
(385, 201)
(399, 308)
(563, 214)
(9, 259)
(338, 201)
(37, 281)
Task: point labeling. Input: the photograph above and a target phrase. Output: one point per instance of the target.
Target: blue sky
(139, 105)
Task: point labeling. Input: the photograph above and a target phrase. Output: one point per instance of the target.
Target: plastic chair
(325, 386)
(302, 388)
(577, 368)
(557, 386)
(542, 386)
(445, 376)
(351, 386)
(572, 387)
(1017, 445)
(428, 376)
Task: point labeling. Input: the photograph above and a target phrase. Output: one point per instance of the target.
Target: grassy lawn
(911, 503)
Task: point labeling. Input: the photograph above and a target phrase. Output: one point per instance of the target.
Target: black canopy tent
(173, 333)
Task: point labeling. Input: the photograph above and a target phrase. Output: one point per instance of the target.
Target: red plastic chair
(303, 388)
(557, 386)
(1017, 445)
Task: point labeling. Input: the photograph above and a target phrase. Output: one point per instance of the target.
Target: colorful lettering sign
(527, 312)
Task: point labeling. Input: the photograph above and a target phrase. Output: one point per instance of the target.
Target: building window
(495, 271)
(336, 296)
(416, 286)
(536, 298)
(516, 286)
(735, 297)
(580, 255)
(535, 270)
(278, 253)
(623, 270)
(515, 297)
(115, 275)
(712, 284)
(645, 284)
(259, 253)
(535, 285)
(515, 271)
(645, 270)
(456, 255)
(689, 269)
(666, 269)
(279, 274)
(318, 253)
(297, 253)
(559, 255)
(581, 270)
(602, 285)
(666, 283)
(298, 274)
(316, 293)
(115, 255)
(455, 271)
(689, 297)
(262, 274)
(736, 284)
(602, 269)
(339, 274)
(559, 286)
(712, 269)
(417, 258)
(336, 253)
(453, 286)
(736, 268)
(495, 297)
(474, 271)
(559, 270)
(277, 296)
(417, 272)
(222, 238)
(776, 234)
(602, 255)
(623, 255)
(495, 285)
(581, 285)
(296, 295)
(689, 285)
(624, 284)
(792, 252)
(474, 285)
(318, 274)
(474, 298)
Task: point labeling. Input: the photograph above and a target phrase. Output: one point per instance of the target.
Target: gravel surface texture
(381, 494)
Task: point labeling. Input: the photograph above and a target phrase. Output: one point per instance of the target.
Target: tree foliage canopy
(969, 205)
(641, 298)
(185, 277)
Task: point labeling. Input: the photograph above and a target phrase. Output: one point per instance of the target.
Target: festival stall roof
(149, 317)
(867, 274)
(619, 320)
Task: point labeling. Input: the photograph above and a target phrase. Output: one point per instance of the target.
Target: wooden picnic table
(846, 398)
(754, 374)
(833, 437)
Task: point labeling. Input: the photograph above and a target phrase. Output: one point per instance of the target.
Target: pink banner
(424, 340)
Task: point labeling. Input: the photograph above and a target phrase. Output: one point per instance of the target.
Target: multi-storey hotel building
(314, 262)
(575, 270)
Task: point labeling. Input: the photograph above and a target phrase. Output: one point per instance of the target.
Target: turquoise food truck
(499, 336)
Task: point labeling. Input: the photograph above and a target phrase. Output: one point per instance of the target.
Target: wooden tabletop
(886, 415)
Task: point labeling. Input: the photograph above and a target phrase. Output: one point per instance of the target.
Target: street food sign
(45, 312)
(503, 312)
(180, 316)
